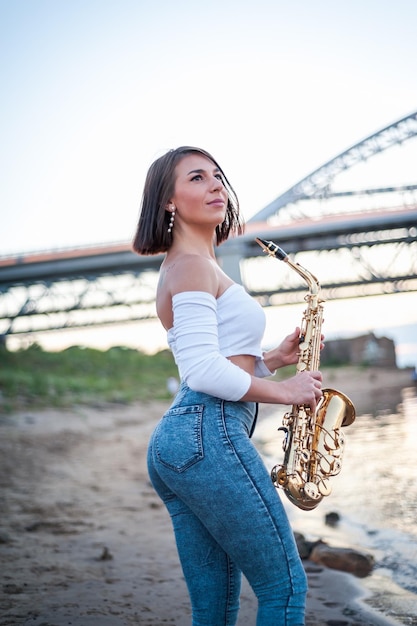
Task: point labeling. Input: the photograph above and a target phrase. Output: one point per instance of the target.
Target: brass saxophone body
(314, 443)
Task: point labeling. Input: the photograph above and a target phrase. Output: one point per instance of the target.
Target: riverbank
(85, 541)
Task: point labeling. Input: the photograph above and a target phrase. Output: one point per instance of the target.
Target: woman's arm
(204, 369)
(303, 388)
(192, 282)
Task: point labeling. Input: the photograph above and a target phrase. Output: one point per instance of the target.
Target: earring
(171, 220)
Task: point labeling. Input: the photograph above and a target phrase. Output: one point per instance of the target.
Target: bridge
(359, 242)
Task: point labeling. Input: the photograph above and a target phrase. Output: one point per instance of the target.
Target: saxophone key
(330, 441)
(340, 439)
(326, 464)
(311, 491)
(286, 437)
(324, 487)
(279, 476)
(336, 468)
(338, 445)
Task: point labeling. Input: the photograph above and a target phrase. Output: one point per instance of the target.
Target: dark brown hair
(152, 234)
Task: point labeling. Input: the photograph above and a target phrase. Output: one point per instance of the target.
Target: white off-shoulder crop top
(207, 330)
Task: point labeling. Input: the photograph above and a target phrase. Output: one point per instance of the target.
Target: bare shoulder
(189, 272)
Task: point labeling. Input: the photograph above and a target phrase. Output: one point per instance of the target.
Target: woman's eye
(200, 177)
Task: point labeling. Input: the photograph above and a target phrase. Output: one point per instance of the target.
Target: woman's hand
(289, 348)
(287, 353)
(303, 388)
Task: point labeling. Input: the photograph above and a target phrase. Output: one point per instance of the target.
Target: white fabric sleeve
(261, 370)
(197, 353)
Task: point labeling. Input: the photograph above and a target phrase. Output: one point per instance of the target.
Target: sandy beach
(84, 540)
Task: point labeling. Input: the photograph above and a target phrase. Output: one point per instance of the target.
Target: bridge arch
(317, 183)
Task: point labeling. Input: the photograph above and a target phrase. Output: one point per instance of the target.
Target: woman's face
(199, 196)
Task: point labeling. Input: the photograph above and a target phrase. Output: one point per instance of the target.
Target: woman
(225, 511)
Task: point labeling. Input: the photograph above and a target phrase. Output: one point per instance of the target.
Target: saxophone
(313, 443)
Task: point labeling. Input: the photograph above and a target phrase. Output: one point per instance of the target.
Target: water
(375, 494)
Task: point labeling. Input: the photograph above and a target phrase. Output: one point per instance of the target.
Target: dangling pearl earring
(171, 220)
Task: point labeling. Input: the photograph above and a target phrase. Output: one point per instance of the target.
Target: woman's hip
(196, 425)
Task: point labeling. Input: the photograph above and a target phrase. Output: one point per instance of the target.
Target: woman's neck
(193, 243)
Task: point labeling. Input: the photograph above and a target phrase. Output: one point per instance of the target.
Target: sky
(94, 90)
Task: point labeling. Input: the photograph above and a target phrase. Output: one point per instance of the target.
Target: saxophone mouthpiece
(272, 249)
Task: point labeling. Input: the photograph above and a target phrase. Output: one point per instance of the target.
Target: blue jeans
(226, 514)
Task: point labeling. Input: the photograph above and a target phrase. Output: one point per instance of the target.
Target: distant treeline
(35, 378)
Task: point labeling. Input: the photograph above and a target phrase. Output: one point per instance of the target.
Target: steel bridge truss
(78, 303)
(364, 264)
(347, 272)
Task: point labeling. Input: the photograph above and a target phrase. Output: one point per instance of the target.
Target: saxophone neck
(311, 280)
(271, 248)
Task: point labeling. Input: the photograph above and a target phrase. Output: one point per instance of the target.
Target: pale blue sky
(94, 90)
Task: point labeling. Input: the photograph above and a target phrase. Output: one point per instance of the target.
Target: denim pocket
(178, 437)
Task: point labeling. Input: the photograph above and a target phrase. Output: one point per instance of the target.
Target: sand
(84, 540)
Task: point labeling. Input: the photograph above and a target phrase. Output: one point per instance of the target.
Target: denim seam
(229, 589)
(289, 569)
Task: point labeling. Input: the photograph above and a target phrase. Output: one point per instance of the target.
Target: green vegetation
(35, 378)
